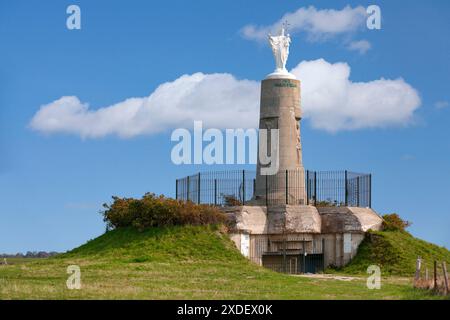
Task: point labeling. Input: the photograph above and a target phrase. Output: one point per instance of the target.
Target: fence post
(243, 187)
(357, 191)
(188, 187)
(215, 192)
(286, 187)
(370, 190)
(307, 187)
(198, 191)
(435, 275)
(315, 187)
(267, 193)
(176, 189)
(418, 266)
(346, 191)
(444, 268)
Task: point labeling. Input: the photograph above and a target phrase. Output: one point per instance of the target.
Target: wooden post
(418, 266)
(444, 268)
(435, 275)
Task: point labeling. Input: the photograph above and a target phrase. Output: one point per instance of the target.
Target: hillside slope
(187, 243)
(396, 253)
(177, 263)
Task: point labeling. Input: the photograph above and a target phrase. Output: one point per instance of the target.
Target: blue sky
(53, 182)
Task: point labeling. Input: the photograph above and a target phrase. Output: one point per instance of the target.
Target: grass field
(177, 263)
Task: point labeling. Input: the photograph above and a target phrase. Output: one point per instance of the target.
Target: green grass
(177, 263)
(396, 253)
(19, 260)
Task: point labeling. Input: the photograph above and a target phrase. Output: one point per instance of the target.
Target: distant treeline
(30, 254)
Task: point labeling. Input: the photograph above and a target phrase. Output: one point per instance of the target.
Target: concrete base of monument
(333, 234)
(275, 219)
(349, 219)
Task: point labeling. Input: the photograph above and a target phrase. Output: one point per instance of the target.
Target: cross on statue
(280, 48)
(286, 25)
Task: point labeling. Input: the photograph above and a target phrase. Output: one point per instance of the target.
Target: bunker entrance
(294, 255)
(294, 263)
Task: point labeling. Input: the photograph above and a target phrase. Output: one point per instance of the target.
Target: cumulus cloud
(333, 102)
(330, 100)
(317, 24)
(219, 100)
(362, 46)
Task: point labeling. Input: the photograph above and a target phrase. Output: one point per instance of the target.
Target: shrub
(158, 211)
(393, 222)
(326, 203)
(231, 200)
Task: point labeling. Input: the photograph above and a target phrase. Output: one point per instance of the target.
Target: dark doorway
(293, 263)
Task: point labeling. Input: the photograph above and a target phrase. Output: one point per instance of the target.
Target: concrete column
(280, 109)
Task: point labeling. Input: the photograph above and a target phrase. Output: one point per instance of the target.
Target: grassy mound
(168, 244)
(396, 253)
(177, 262)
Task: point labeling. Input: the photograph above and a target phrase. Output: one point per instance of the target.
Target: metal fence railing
(239, 187)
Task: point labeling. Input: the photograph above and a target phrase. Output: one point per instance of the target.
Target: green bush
(393, 222)
(158, 211)
(326, 203)
(231, 201)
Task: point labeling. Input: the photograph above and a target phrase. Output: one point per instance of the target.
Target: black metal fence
(339, 188)
(239, 187)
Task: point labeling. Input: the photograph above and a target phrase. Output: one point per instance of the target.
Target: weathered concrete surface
(335, 231)
(248, 219)
(294, 219)
(280, 109)
(348, 219)
(275, 220)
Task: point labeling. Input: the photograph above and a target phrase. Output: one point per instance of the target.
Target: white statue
(280, 48)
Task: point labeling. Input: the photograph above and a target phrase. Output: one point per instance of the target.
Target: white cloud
(361, 46)
(218, 99)
(441, 104)
(329, 99)
(318, 24)
(333, 102)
